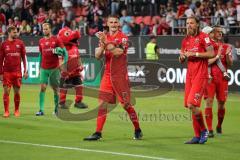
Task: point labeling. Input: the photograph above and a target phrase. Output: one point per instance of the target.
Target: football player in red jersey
(12, 53)
(219, 84)
(196, 49)
(49, 65)
(114, 83)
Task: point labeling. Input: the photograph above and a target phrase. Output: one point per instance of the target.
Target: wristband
(197, 54)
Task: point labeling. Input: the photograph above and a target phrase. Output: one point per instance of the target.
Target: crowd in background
(137, 17)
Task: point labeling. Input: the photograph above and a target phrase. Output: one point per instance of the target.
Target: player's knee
(126, 106)
(209, 102)
(43, 88)
(221, 104)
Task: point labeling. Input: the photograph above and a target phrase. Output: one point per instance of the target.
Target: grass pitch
(166, 124)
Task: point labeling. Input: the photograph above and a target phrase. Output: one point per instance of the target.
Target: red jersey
(215, 70)
(11, 55)
(46, 46)
(116, 66)
(73, 66)
(197, 67)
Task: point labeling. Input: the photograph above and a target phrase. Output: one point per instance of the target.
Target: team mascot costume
(71, 73)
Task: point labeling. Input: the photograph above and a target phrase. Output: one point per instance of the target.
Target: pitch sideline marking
(84, 150)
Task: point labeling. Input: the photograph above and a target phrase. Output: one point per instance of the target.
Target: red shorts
(115, 87)
(218, 86)
(12, 79)
(194, 89)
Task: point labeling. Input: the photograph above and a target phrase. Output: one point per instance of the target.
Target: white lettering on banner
(32, 49)
(159, 75)
(89, 71)
(169, 51)
(82, 51)
(181, 74)
(230, 82)
(136, 73)
(178, 75)
(33, 69)
(172, 75)
(131, 50)
(234, 77)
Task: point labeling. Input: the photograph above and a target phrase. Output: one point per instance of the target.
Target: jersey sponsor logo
(207, 40)
(14, 54)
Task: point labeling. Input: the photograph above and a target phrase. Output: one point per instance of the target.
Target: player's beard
(191, 31)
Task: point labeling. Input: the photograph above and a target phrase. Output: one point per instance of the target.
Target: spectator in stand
(164, 28)
(232, 15)
(95, 26)
(154, 28)
(61, 13)
(170, 18)
(135, 29)
(10, 22)
(206, 13)
(115, 7)
(144, 29)
(27, 4)
(28, 15)
(2, 16)
(197, 9)
(220, 15)
(67, 5)
(7, 10)
(41, 16)
(3, 29)
(17, 7)
(36, 28)
(17, 22)
(125, 22)
(56, 26)
(25, 28)
(181, 16)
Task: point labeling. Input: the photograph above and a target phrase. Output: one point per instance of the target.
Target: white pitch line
(84, 150)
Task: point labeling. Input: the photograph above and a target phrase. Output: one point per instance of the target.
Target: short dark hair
(152, 37)
(11, 28)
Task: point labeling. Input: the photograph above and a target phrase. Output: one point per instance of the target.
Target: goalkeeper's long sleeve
(40, 60)
(65, 55)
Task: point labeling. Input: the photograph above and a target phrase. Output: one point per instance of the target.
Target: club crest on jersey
(197, 97)
(18, 46)
(207, 40)
(196, 40)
